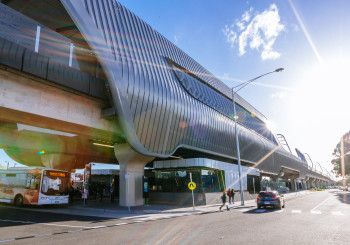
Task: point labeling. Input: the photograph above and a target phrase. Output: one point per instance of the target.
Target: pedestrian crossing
(313, 211)
(295, 211)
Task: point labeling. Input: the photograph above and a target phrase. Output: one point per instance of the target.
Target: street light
(312, 166)
(234, 92)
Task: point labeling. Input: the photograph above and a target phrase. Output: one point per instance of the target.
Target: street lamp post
(234, 92)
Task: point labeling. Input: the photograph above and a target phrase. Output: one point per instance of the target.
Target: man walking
(233, 195)
(223, 199)
(229, 194)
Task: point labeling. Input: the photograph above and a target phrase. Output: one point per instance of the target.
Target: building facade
(161, 101)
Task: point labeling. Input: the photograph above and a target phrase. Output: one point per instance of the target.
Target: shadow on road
(342, 196)
(261, 211)
(244, 207)
(9, 216)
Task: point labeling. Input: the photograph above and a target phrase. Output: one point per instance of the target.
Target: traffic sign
(192, 185)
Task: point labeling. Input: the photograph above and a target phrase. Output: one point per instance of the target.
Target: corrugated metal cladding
(157, 113)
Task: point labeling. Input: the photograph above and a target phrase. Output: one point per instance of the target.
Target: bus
(34, 186)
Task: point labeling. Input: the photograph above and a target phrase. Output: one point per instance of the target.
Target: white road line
(8, 240)
(315, 212)
(320, 204)
(296, 211)
(338, 213)
(47, 224)
(121, 224)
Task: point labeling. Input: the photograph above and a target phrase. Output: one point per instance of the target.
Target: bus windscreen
(55, 183)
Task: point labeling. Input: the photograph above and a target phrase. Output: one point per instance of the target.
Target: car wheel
(18, 201)
(259, 207)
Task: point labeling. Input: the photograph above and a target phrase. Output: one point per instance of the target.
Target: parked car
(270, 199)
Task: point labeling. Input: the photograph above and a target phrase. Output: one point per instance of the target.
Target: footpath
(148, 213)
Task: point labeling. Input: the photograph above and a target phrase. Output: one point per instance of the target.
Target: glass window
(176, 180)
(209, 96)
(54, 183)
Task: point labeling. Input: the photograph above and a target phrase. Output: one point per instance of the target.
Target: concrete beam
(39, 100)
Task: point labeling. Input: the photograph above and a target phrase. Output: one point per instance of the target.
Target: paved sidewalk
(152, 212)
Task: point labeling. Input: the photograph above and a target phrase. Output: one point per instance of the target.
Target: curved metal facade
(157, 113)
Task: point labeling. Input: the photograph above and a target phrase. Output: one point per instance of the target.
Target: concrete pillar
(303, 185)
(131, 174)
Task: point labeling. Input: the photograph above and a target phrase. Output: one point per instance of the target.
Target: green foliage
(337, 156)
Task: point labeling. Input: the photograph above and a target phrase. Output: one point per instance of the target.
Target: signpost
(192, 186)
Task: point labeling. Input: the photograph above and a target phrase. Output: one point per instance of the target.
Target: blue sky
(308, 38)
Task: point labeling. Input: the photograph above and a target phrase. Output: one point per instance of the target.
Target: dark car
(270, 199)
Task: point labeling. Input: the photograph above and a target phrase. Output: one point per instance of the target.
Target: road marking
(118, 224)
(296, 211)
(338, 213)
(47, 224)
(7, 240)
(320, 204)
(244, 209)
(315, 212)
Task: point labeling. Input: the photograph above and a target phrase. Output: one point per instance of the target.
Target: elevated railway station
(88, 81)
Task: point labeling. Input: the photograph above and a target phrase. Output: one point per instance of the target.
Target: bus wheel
(18, 201)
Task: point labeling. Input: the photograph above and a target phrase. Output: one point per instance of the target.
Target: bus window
(33, 182)
(55, 183)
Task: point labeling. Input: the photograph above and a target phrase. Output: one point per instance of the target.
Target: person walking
(229, 194)
(233, 195)
(223, 199)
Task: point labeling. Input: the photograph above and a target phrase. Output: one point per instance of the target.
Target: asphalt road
(317, 218)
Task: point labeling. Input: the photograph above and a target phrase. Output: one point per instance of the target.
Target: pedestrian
(233, 195)
(111, 191)
(100, 190)
(229, 194)
(223, 199)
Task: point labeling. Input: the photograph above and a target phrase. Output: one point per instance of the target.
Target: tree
(336, 161)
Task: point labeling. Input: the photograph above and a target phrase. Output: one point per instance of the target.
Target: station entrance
(98, 182)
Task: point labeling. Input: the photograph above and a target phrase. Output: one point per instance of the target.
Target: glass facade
(280, 185)
(176, 180)
(214, 99)
(253, 184)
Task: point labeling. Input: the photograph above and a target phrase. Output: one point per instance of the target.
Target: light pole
(312, 163)
(234, 92)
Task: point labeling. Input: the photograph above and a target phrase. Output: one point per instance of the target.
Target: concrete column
(302, 184)
(131, 174)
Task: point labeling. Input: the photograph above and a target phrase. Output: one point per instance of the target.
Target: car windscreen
(267, 194)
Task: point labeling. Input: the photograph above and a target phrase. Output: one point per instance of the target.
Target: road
(317, 218)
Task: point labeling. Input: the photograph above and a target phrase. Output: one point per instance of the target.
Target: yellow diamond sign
(192, 185)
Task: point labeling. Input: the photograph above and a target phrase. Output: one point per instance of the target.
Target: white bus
(34, 186)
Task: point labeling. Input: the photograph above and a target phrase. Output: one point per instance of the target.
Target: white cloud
(231, 36)
(256, 31)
